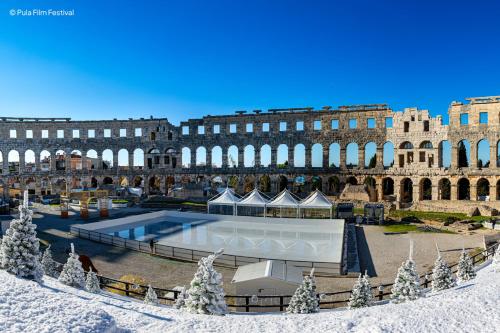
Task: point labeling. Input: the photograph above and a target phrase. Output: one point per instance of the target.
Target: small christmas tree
(407, 284)
(20, 247)
(442, 277)
(496, 259)
(305, 300)
(361, 293)
(151, 297)
(72, 273)
(48, 264)
(180, 302)
(205, 294)
(92, 282)
(466, 270)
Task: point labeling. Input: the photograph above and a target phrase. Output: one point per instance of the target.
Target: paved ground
(380, 254)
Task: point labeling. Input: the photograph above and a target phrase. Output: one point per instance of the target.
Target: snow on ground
(26, 306)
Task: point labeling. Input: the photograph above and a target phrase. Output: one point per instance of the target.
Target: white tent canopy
(228, 198)
(254, 198)
(316, 200)
(284, 199)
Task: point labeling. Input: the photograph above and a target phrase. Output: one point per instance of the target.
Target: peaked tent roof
(254, 198)
(316, 200)
(269, 269)
(284, 199)
(228, 197)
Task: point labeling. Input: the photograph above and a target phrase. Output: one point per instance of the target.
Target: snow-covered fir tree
(361, 295)
(72, 273)
(466, 270)
(305, 299)
(442, 278)
(406, 286)
(205, 294)
(181, 298)
(49, 265)
(20, 246)
(151, 297)
(92, 282)
(496, 259)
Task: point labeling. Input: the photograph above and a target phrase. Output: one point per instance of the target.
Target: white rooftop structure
(269, 269)
(284, 199)
(228, 197)
(254, 198)
(316, 200)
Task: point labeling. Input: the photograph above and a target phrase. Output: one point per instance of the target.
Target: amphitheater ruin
(404, 157)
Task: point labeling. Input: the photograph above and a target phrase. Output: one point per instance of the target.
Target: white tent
(253, 204)
(317, 202)
(285, 200)
(223, 200)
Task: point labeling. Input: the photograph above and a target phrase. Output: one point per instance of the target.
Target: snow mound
(26, 306)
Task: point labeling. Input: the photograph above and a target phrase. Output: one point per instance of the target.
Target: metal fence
(227, 260)
(265, 303)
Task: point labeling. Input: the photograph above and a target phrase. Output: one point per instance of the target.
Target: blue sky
(186, 59)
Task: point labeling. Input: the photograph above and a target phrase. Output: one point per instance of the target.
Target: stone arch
(233, 181)
(388, 154)
(370, 161)
(299, 183)
(60, 158)
(406, 145)
(406, 190)
(425, 189)
(483, 189)
(444, 152)
(232, 156)
(93, 183)
(371, 187)
(45, 160)
(29, 160)
(107, 159)
(92, 159)
(154, 184)
(387, 187)
(123, 181)
(463, 189)
(317, 155)
(265, 155)
(201, 156)
(138, 181)
(249, 156)
(351, 180)
(123, 158)
(299, 156)
(107, 181)
(316, 183)
(333, 185)
(186, 157)
(425, 145)
(463, 154)
(216, 157)
(138, 158)
(282, 155)
(483, 154)
(249, 184)
(265, 183)
(334, 155)
(13, 161)
(76, 160)
(444, 189)
(352, 155)
(282, 183)
(498, 190)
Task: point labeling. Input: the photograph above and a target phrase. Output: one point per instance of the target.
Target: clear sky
(185, 59)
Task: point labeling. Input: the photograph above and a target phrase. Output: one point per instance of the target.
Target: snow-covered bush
(92, 282)
(151, 297)
(466, 270)
(181, 298)
(442, 277)
(49, 265)
(72, 273)
(20, 248)
(361, 295)
(305, 300)
(205, 294)
(407, 283)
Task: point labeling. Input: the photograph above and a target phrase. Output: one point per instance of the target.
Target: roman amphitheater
(408, 158)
